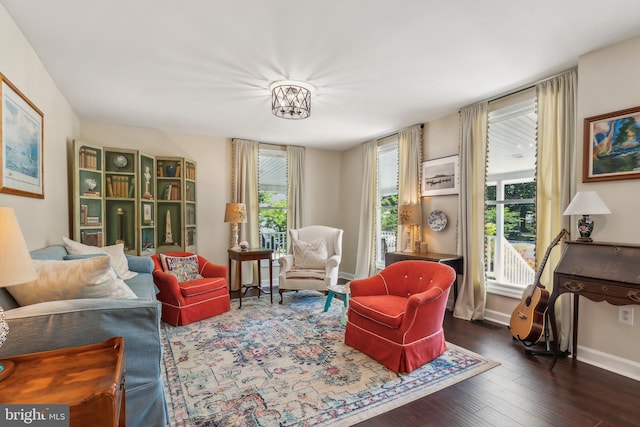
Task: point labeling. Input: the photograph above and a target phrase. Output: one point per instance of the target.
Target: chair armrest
(332, 262)
(209, 269)
(140, 264)
(168, 286)
(421, 301)
(373, 285)
(286, 263)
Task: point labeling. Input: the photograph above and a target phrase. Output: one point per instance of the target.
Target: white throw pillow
(64, 280)
(115, 252)
(312, 254)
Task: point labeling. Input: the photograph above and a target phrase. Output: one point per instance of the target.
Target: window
(510, 214)
(386, 198)
(272, 198)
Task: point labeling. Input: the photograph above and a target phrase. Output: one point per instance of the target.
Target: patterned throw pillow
(312, 254)
(75, 279)
(115, 252)
(185, 268)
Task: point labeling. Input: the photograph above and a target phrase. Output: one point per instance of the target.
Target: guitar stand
(547, 340)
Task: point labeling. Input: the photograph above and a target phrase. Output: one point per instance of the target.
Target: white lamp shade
(16, 266)
(586, 203)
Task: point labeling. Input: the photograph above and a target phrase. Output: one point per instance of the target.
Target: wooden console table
(90, 379)
(255, 254)
(454, 261)
(599, 272)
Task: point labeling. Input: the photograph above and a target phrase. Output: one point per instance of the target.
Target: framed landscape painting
(21, 138)
(440, 176)
(612, 146)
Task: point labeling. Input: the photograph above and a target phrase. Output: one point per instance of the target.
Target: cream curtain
(555, 174)
(409, 163)
(295, 191)
(473, 146)
(365, 259)
(245, 190)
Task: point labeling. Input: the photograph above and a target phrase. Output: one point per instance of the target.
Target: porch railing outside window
(275, 240)
(505, 264)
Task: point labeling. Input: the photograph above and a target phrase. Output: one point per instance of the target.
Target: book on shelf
(92, 238)
(120, 186)
(91, 193)
(88, 158)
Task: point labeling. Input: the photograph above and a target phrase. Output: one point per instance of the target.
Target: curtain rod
(520, 88)
(378, 138)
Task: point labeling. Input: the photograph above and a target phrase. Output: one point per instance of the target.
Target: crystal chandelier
(290, 99)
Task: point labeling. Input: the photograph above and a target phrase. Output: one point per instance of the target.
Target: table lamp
(586, 203)
(409, 216)
(16, 268)
(235, 213)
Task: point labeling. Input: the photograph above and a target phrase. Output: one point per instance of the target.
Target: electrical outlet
(625, 315)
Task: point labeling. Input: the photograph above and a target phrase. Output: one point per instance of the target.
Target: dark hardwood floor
(519, 392)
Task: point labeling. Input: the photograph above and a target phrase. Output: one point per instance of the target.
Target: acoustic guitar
(527, 320)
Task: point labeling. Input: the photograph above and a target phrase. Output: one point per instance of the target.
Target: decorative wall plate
(120, 161)
(437, 220)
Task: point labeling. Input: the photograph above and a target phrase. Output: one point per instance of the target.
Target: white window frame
(384, 146)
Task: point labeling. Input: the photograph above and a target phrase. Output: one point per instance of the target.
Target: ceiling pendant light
(291, 99)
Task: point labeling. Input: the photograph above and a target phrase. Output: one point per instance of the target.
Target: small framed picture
(612, 146)
(440, 176)
(21, 132)
(147, 214)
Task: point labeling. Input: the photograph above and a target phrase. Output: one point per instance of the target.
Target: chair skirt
(386, 346)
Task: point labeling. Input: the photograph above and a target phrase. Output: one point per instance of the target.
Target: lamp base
(585, 227)
(6, 369)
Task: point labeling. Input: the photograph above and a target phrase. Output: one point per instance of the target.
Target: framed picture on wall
(440, 176)
(612, 146)
(22, 143)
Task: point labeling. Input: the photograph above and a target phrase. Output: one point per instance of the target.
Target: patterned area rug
(287, 365)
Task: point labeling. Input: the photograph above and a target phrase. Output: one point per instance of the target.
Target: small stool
(343, 291)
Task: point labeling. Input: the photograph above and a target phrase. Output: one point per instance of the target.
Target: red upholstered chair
(189, 301)
(396, 316)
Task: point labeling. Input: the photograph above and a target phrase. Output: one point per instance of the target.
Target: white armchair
(312, 263)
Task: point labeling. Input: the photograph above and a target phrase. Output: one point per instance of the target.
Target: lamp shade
(409, 214)
(16, 266)
(235, 213)
(586, 203)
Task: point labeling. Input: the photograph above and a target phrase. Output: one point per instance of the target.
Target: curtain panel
(556, 169)
(295, 190)
(473, 151)
(409, 168)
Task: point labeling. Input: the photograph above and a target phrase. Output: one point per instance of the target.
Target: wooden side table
(255, 254)
(90, 379)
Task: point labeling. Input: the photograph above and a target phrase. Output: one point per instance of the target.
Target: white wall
(607, 82)
(43, 221)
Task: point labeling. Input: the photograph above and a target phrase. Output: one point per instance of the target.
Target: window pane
(272, 199)
(387, 198)
(510, 191)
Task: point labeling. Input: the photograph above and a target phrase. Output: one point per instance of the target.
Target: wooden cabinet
(88, 186)
(125, 196)
(90, 379)
(176, 204)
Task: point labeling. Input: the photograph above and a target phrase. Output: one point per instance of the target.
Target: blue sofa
(59, 324)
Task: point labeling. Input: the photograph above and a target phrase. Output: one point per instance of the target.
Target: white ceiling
(205, 66)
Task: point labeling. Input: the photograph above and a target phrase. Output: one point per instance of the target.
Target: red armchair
(396, 316)
(193, 300)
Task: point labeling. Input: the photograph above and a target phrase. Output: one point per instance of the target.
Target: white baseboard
(618, 365)
(497, 317)
(609, 362)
